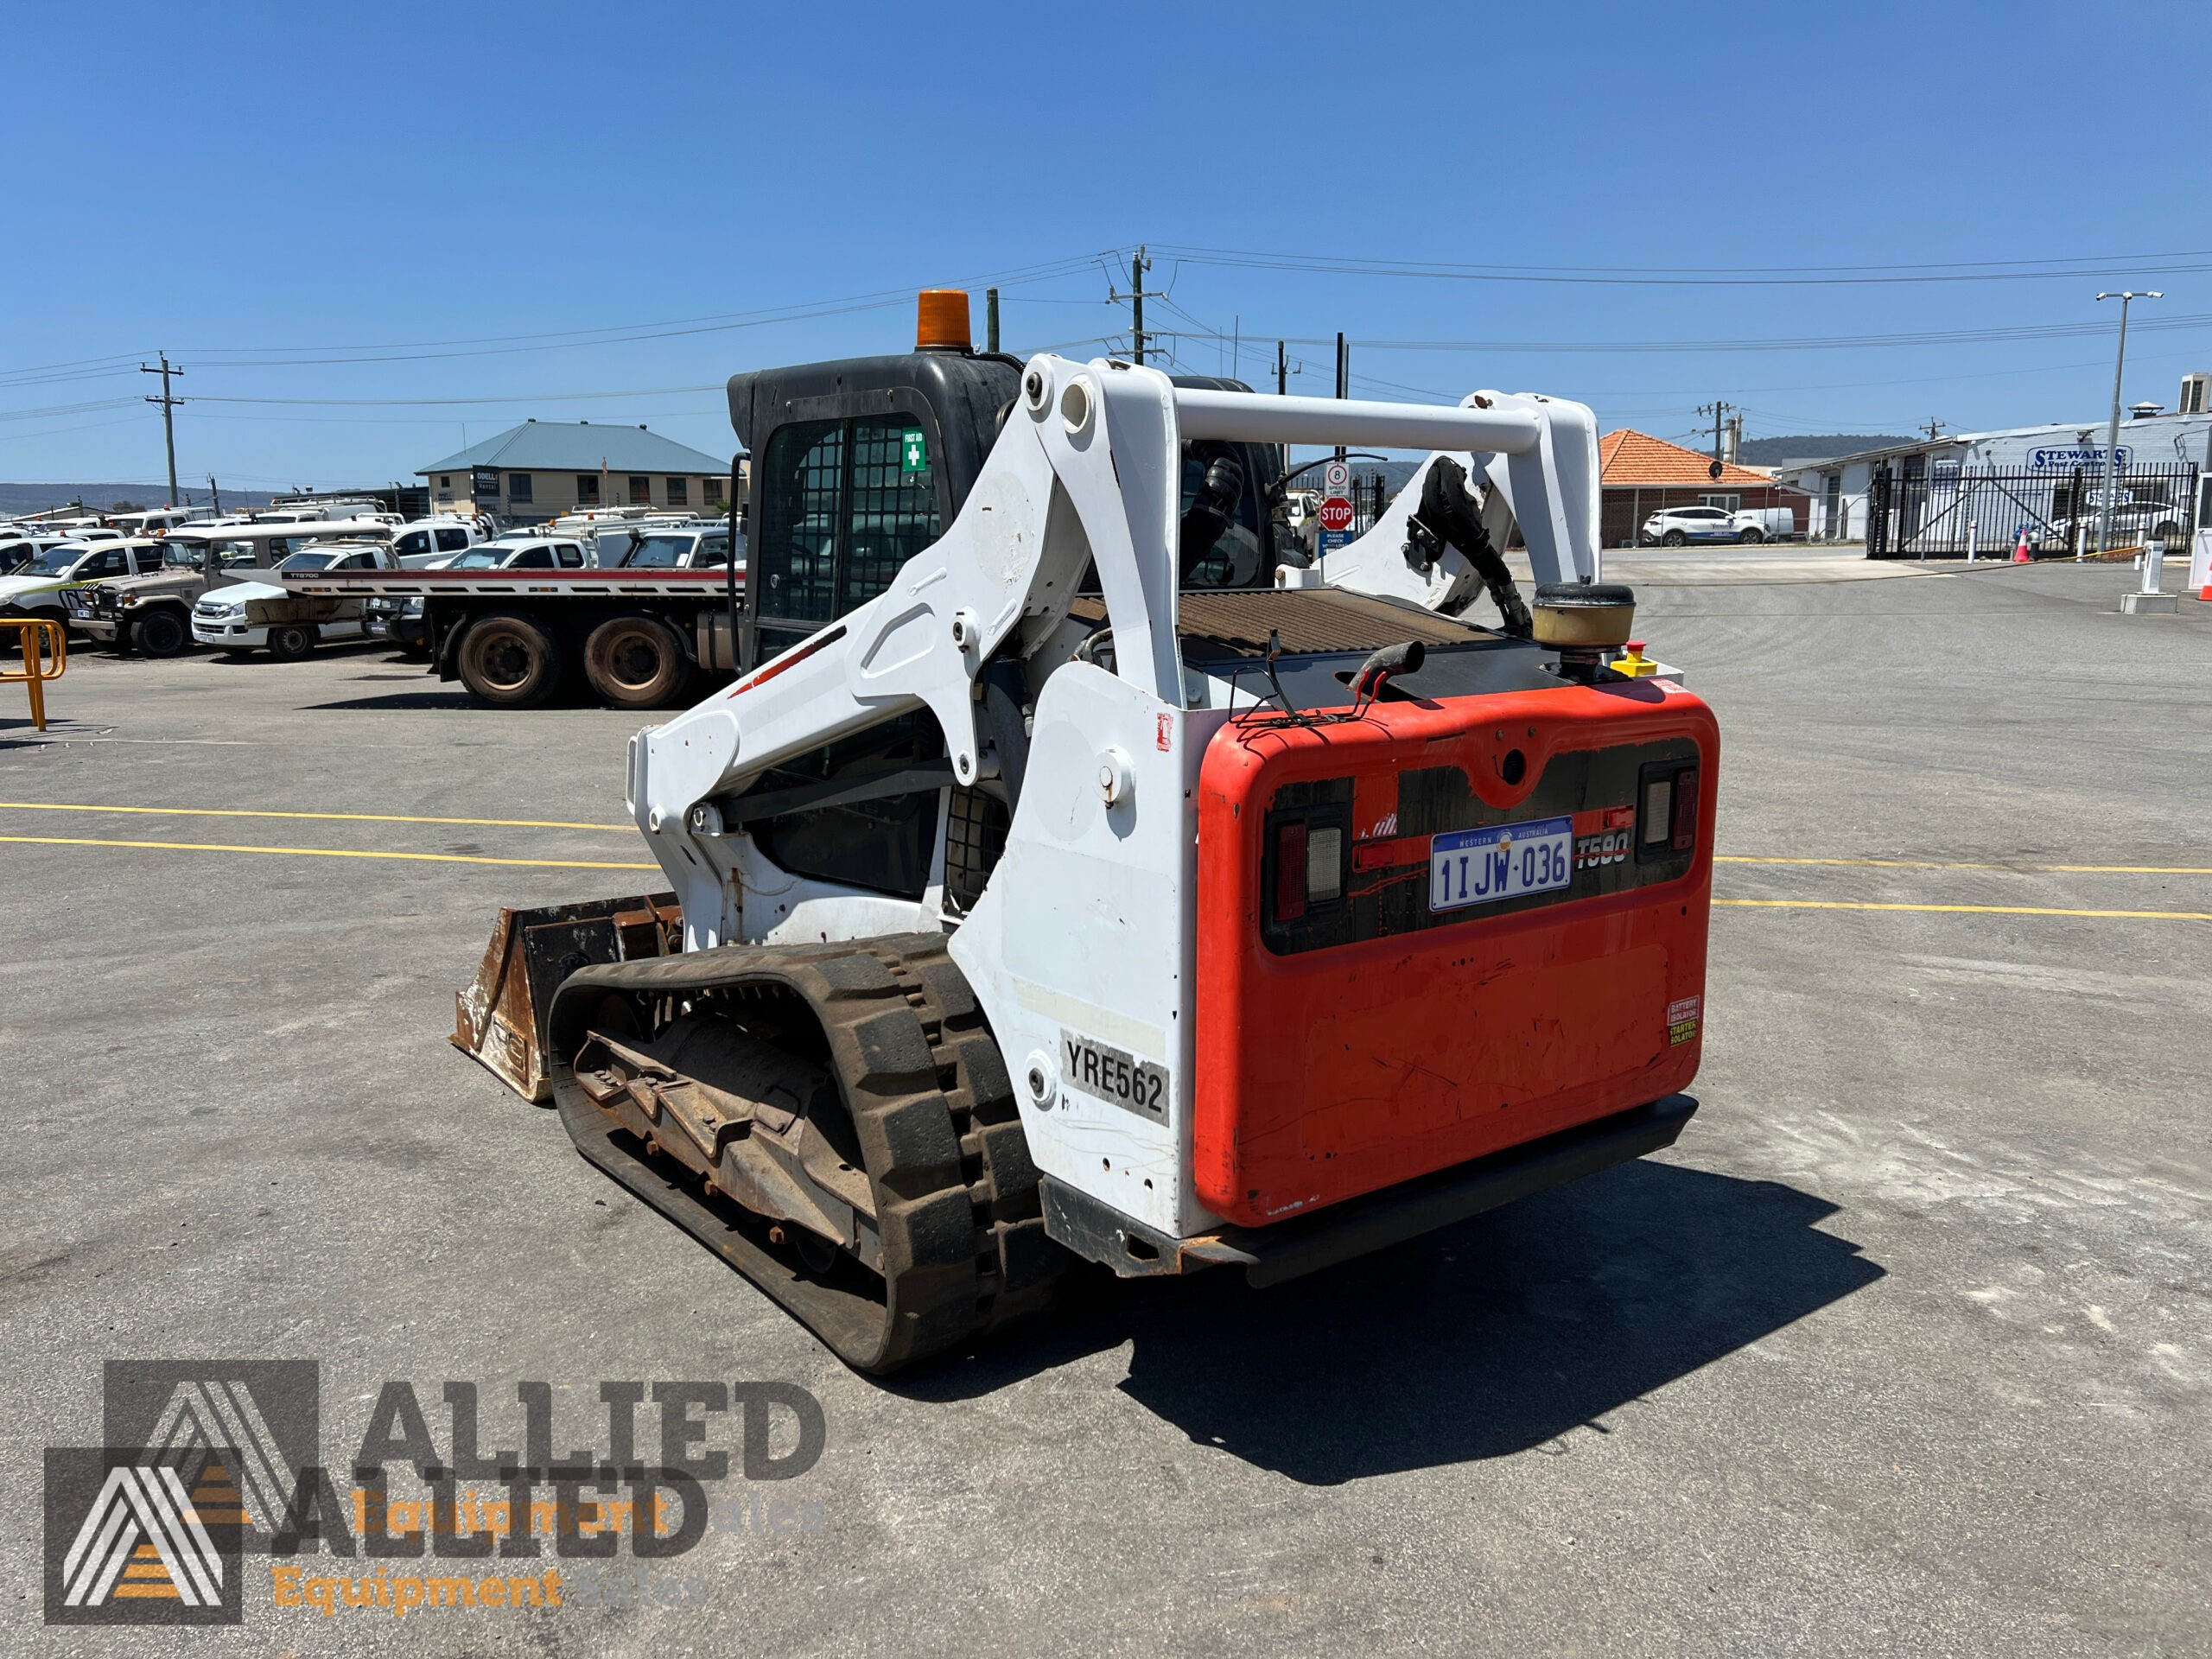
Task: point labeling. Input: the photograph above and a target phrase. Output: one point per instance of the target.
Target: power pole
(214, 495)
(1934, 430)
(168, 423)
(1343, 375)
(1138, 267)
(990, 318)
(2112, 436)
(1282, 389)
(1720, 413)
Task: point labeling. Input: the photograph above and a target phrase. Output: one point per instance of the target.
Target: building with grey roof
(542, 469)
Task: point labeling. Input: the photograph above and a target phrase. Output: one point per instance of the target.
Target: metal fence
(1370, 493)
(1950, 514)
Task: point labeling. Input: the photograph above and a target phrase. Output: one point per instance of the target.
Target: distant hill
(1767, 452)
(37, 498)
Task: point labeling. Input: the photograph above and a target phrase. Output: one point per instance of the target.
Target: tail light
(1666, 816)
(1306, 853)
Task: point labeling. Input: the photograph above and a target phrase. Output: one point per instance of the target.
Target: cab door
(843, 505)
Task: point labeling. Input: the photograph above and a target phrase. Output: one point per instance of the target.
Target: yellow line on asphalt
(1928, 864)
(323, 852)
(338, 817)
(1983, 910)
(587, 864)
(627, 829)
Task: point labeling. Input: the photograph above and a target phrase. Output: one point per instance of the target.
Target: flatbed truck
(639, 638)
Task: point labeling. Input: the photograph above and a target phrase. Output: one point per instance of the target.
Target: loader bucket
(499, 1019)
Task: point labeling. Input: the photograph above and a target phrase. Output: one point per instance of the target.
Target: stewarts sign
(2064, 458)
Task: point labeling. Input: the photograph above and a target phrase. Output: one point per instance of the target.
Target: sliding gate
(1944, 516)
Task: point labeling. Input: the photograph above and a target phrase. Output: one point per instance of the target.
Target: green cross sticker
(913, 451)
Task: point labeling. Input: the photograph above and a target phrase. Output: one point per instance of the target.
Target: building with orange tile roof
(1641, 474)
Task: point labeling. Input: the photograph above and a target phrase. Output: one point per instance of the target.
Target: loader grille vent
(974, 836)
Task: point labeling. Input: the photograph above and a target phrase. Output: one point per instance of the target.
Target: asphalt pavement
(1905, 1347)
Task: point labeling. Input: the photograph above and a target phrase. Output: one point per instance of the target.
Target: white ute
(38, 585)
(250, 616)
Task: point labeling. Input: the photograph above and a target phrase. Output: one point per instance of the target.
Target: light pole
(2112, 436)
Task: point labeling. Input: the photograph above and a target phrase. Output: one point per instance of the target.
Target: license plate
(1120, 1079)
(1481, 867)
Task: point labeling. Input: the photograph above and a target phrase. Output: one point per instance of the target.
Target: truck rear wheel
(633, 662)
(292, 642)
(509, 662)
(159, 633)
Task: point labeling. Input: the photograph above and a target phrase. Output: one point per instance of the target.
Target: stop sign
(1336, 513)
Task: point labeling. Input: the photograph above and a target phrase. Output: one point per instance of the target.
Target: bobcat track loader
(1061, 880)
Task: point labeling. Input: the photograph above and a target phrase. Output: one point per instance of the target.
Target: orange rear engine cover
(1499, 933)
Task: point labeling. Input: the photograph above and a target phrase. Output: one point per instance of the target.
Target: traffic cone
(2020, 554)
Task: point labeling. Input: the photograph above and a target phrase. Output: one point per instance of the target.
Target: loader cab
(859, 465)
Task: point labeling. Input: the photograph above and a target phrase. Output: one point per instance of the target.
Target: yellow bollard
(43, 647)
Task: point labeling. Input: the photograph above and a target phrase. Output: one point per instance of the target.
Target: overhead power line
(428, 402)
(244, 357)
(1798, 343)
(618, 333)
(66, 409)
(1705, 276)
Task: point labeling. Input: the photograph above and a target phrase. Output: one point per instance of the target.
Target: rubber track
(957, 1205)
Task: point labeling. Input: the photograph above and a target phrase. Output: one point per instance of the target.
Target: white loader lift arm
(1550, 489)
(1092, 475)
(1086, 925)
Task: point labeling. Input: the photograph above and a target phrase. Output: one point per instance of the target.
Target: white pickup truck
(435, 541)
(39, 586)
(1676, 526)
(250, 616)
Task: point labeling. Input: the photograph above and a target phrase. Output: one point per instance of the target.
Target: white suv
(1676, 526)
(1673, 526)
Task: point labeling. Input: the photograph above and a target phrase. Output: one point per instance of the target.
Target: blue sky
(369, 232)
